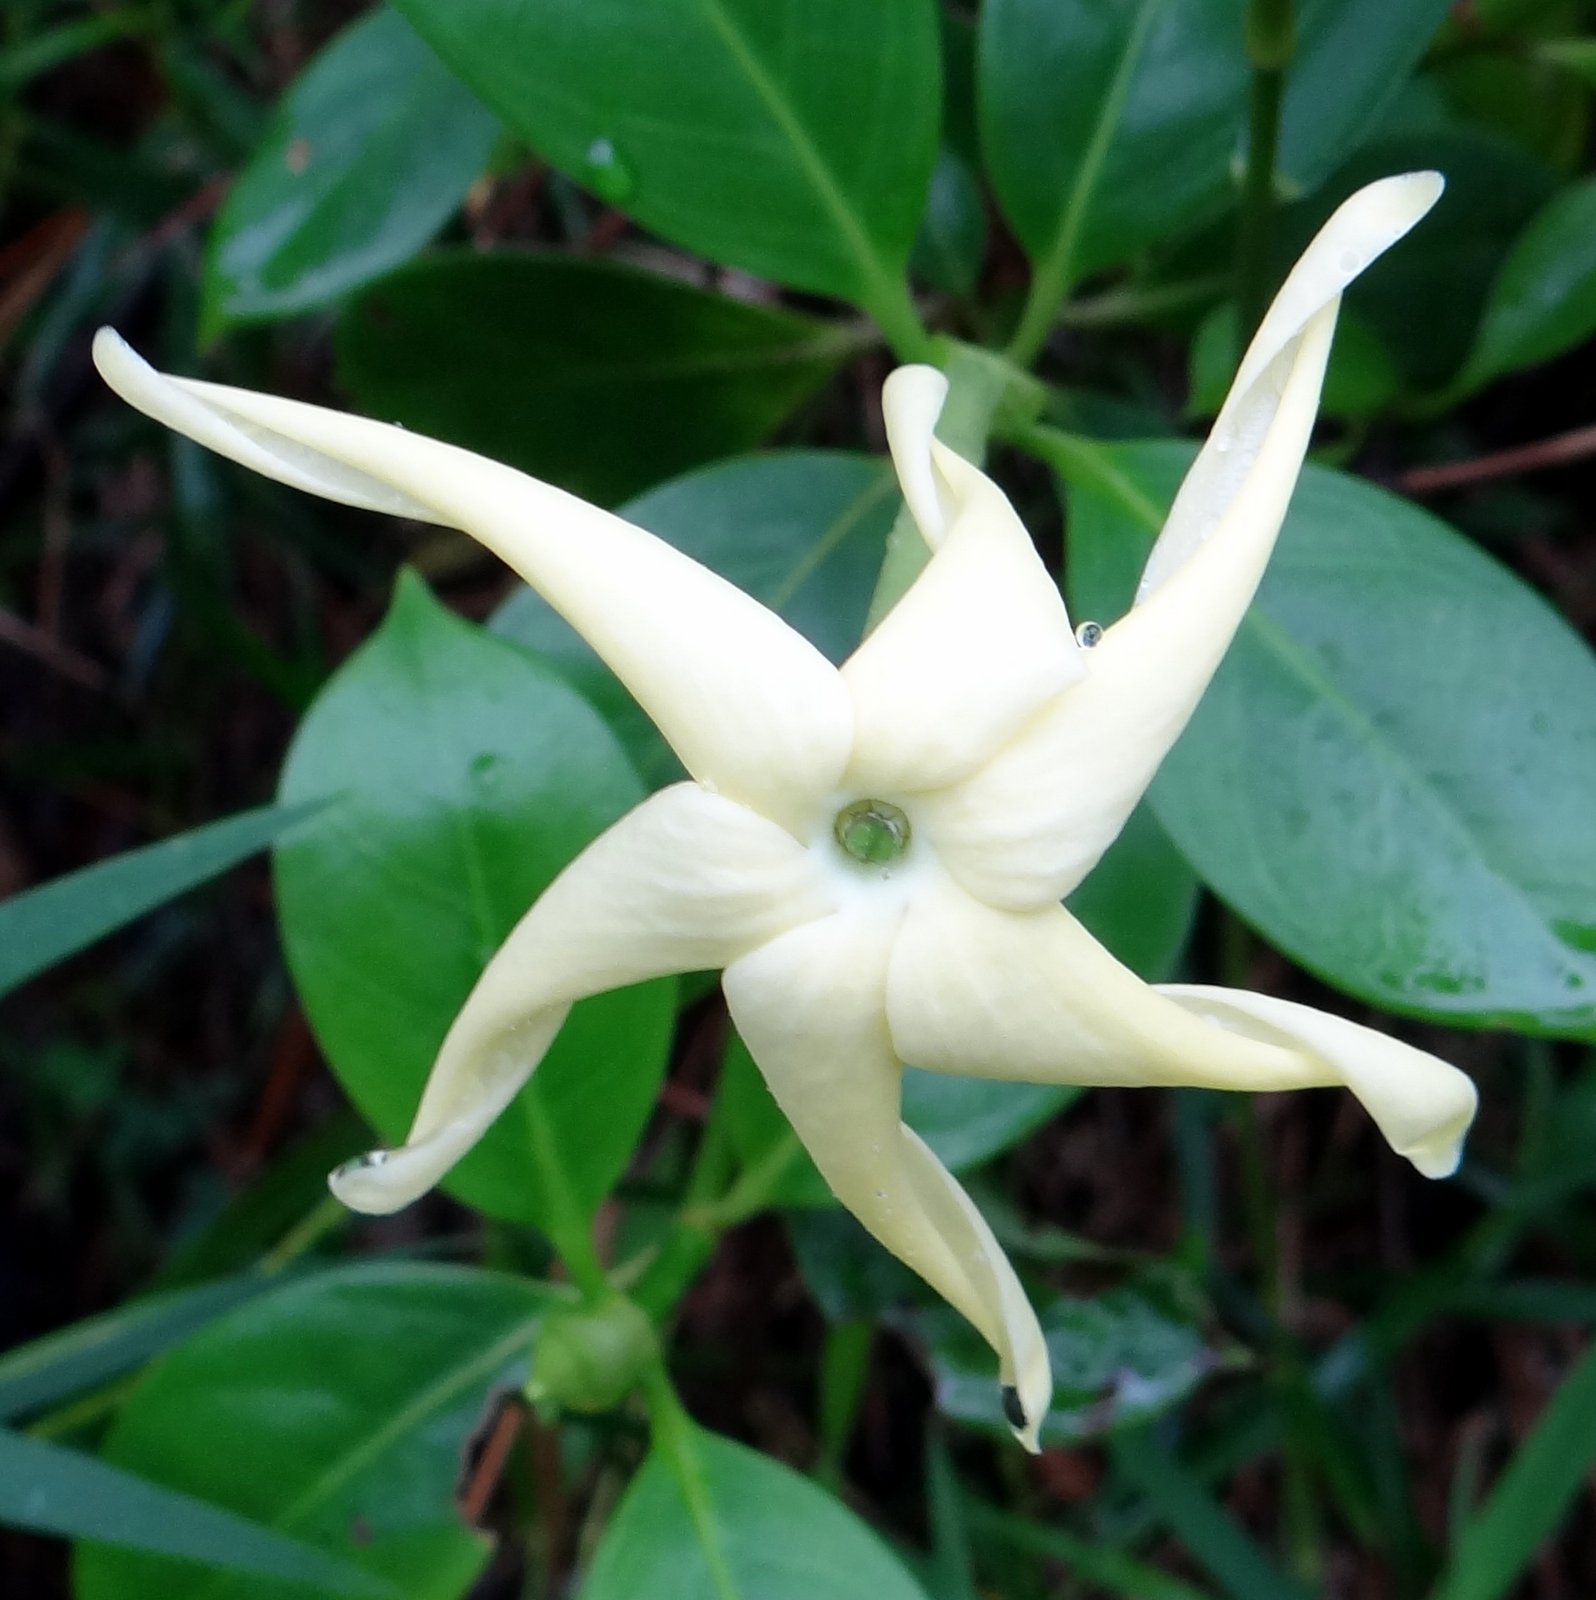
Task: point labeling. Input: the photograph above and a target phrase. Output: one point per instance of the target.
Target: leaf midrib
(428, 1400)
(815, 167)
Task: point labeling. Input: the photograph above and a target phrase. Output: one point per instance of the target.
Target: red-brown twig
(1557, 451)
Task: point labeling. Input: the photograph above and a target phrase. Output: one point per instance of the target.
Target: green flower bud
(589, 1358)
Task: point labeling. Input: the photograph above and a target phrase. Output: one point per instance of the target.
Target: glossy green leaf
(1351, 60)
(600, 377)
(58, 1366)
(800, 530)
(1106, 126)
(335, 1411)
(45, 1488)
(1390, 775)
(718, 1521)
(791, 138)
(367, 156)
(1543, 301)
(1118, 1359)
(1533, 1495)
(467, 775)
(848, 1273)
(952, 238)
(44, 925)
(1140, 899)
(1424, 300)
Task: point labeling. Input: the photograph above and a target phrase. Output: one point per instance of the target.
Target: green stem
(978, 380)
(1141, 303)
(1270, 42)
(566, 1223)
(676, 1445)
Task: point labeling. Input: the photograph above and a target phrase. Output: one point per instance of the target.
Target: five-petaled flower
(876, 855)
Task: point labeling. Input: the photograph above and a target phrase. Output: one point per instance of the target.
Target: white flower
(875, 855)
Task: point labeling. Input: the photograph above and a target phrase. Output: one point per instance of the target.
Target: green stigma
(872, 831)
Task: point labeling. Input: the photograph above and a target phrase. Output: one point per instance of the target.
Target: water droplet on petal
(606, 174)
(365, 1163)
(1089, 634)
(1351, 261)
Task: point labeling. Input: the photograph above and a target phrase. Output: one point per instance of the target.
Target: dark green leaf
(952, 237)
(47, 1489)
(1425, 299)
(602, 378)
(801, 530)
(718, 1521)
(1118, 1359)
(1532, 1496)
(60, 1365)
(791, 138)
(1215, 1539)
(1351, 60)
(968, 1120)
(369, 153)
(1390, 775)
(44, 925)
(1105, 127)
(467, 774)
(1140, 899)
(335, 1411)
(1543, 301)
(283, 1195)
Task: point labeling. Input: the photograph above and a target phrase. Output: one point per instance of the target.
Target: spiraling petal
(1030, 995)
(1029, 826)
(1422, 1105)
(809, 1008)
(749, 705)
(687, 880)
(979, 642)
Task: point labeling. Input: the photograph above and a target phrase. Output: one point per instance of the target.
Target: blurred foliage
(662, 253)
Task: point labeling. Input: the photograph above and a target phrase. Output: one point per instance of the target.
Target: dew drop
(606, 174)
(371, 1159)
(1089, 634)
(1351, 261)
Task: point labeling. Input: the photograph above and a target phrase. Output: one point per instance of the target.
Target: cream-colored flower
(875, 855)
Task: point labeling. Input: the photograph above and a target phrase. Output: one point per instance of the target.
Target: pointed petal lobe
(1420, 1103)
(688, 880)
(979, 642)
(1031, 995)
(809, 1008)
(749, 705)
(1035, 820)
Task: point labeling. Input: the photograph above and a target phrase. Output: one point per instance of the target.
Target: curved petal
(1029, 826)
(809, 1008)
(749, 705)
(979, 642)
(1420, 1103)
(687, 880)
(1031, 995)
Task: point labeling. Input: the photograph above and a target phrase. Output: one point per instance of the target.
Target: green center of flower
(872, 831)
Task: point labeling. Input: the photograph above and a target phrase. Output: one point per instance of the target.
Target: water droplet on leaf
(1089, 634)
(606, 174)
